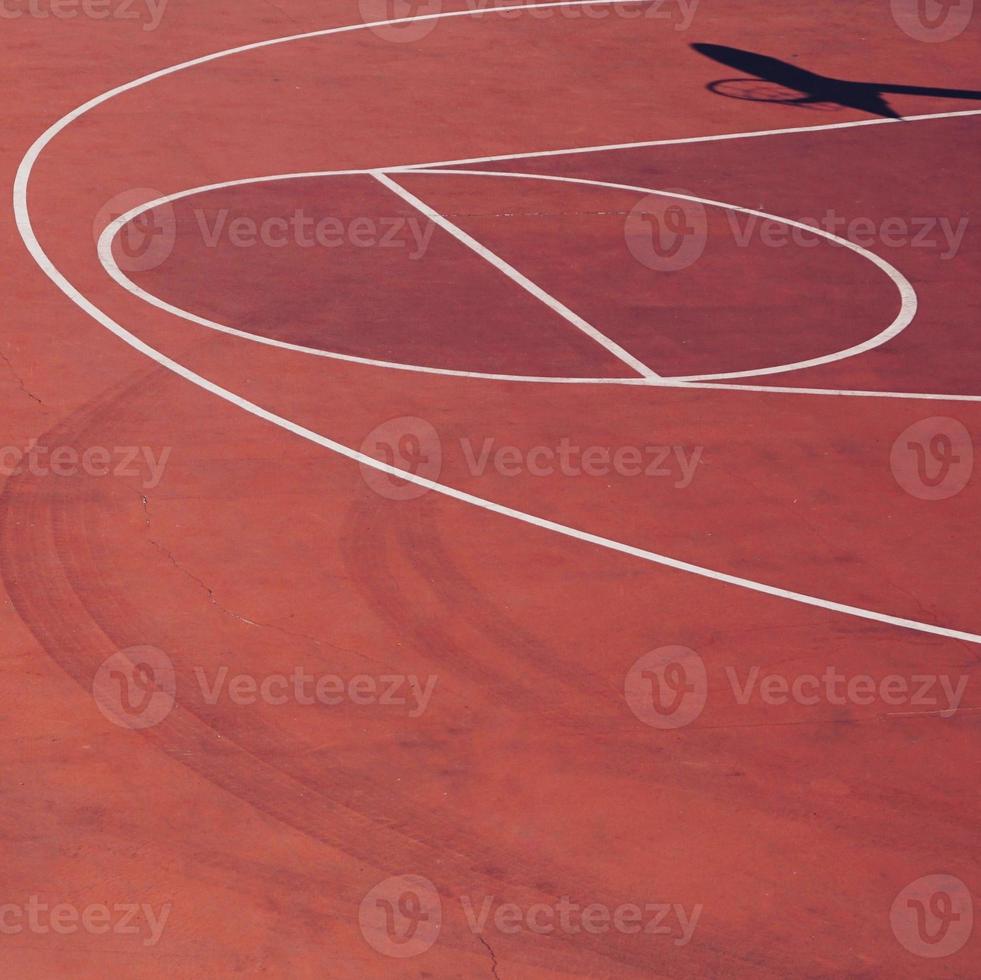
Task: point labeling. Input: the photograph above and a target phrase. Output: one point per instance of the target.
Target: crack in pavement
(20, 381)
(200, 582)
(230, 612)
(493, 956)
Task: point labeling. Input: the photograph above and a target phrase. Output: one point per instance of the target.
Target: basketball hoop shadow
(760, 90)
(769, 79)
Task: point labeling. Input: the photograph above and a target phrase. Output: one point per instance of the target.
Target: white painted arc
(109, 264)
(907, 294)
(905, 315)
(517, 277)
(496, 508)
(26, 230)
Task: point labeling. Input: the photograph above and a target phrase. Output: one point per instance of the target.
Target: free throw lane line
(518, 277)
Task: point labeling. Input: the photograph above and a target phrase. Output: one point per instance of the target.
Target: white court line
(112, 268)
(841, 392)
(676, 141)
(108, 261)
(905, 315)
(33, 245)
(517, 277)
(907, 307)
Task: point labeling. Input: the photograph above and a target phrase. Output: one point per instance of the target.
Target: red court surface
(490, 493)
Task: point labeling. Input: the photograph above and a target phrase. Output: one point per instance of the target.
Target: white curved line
(906, 292)
(32, 244)
(112, 268)
(907, 308)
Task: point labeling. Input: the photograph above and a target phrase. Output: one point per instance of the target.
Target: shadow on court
(772, 80)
